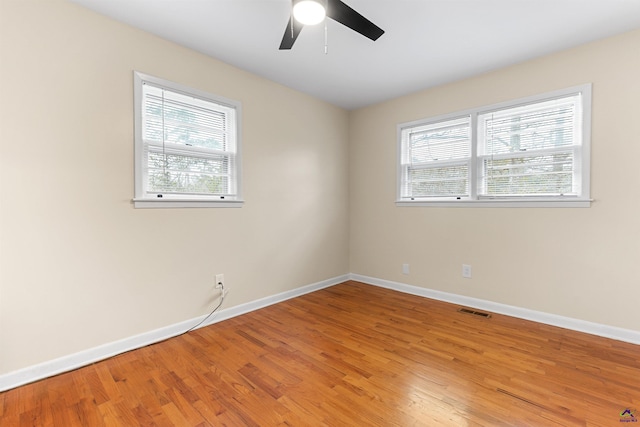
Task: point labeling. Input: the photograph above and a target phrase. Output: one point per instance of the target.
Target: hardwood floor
(349, 355)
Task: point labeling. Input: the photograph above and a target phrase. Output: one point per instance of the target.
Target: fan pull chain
(326, 43)
(292, 24)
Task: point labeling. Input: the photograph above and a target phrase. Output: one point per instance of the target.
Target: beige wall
(79, 266)
(580, 263)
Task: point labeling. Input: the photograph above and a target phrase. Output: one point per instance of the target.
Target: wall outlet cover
(466, 271)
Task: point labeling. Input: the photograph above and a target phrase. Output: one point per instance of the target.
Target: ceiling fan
(334, 9)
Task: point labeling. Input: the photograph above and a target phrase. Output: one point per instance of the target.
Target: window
(437, 159)
(529, 152)
(187, 146)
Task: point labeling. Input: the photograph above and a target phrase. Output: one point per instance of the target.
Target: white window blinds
(436, 159)
(527, 152)
(187, 146)
(531, 150)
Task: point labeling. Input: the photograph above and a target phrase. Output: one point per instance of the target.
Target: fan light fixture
(309, 12)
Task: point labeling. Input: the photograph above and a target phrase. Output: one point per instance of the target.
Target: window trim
(583, 201)
(141, 200)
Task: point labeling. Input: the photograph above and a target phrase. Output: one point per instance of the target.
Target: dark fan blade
(288, 39)
(338, 11)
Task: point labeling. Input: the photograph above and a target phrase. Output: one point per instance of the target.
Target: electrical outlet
(466, 271)
(219, 280)
(405, 268)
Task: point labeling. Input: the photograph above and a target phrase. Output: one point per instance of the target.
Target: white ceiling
(426, 42)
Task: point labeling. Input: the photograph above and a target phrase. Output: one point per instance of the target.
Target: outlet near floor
(219, 280)
(466, 271)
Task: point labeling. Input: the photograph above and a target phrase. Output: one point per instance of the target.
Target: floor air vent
(474, 312)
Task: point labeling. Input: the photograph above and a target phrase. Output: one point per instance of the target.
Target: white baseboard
(613, 332)
(86, 357)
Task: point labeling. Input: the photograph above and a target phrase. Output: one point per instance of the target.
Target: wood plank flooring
(349, 355)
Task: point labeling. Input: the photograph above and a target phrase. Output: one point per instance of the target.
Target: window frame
(142, 198)
(422, 128)
(475, 200)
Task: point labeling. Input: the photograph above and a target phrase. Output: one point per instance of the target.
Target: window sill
(185, 203)
(582, 203)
